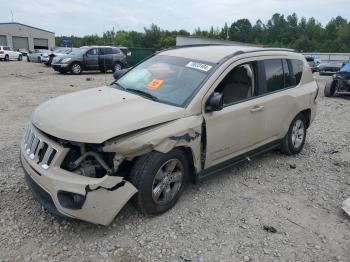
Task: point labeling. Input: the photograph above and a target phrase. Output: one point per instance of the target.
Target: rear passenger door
(105, 58)
(276, 97)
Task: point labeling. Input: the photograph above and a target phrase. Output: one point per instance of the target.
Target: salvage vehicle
(7, 54)
(36, 55)
(182, 114)
(101, 58)
(340, 82)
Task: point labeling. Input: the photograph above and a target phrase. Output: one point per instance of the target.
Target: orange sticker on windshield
(155, 84)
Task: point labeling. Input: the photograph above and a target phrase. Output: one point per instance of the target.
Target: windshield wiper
(142, 93)
(119, 85)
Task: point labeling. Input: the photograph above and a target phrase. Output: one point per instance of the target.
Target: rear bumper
(95, 200)
(2, 56)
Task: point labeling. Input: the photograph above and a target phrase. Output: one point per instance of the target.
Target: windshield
(167, 79)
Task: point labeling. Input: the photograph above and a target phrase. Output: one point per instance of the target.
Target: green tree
(241, 31)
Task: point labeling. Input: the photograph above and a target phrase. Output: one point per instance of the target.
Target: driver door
(91, 59)
(237, 127)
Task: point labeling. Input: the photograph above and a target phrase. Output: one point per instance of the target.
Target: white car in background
(7, 54)
(37, 54)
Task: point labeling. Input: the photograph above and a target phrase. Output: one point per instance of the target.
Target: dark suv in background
(101, 58)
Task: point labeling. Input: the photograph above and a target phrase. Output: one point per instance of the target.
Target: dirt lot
(220, 219)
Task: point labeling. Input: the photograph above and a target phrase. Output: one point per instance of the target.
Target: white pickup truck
(7, 54)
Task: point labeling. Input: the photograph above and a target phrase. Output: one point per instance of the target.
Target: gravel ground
(220, 219)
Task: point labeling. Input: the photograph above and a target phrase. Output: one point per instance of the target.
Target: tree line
(290, 31)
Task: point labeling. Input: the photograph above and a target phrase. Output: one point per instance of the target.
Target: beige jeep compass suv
(182, 114)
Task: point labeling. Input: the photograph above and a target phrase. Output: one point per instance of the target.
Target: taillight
(1, 52)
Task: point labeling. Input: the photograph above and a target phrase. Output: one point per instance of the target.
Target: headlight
(66, 60)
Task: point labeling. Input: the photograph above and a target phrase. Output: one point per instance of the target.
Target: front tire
(329, 89)
(294, 141)
(76, 68)
(160, 179)
(39, 59)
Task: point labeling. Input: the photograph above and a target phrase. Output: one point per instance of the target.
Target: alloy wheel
(117, 67)
(167, 182)
(298, 133)
(76, 69)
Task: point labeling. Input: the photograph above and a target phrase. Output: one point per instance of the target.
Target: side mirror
(215, 102)
(119, 73)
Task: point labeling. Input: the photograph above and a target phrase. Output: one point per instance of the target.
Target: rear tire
(28, 60)
(7, 58)
(160, 179)
(19, 58)
(294, 140)
(39, 59)
(329, 89)
(117, 66)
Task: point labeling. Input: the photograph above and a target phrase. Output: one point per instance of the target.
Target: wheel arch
(188, 151)
(307, 115)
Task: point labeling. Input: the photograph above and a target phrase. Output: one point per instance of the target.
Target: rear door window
(6, 48)
(106, 51)
(274, 75)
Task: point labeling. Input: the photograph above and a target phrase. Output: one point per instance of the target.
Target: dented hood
(98, 114)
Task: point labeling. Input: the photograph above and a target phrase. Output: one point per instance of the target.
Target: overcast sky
(81, 17)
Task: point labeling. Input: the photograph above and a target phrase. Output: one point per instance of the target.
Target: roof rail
(196, 45)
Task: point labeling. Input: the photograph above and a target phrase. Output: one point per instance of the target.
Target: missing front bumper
(102, 200)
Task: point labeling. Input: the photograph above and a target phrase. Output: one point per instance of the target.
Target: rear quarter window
(274, 75)
(297, 67)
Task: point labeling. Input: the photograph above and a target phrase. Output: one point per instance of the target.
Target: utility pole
(12, 16)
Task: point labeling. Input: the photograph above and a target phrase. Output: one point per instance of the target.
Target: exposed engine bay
(90, 161)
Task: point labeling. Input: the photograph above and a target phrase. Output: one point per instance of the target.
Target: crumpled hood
(98, 114)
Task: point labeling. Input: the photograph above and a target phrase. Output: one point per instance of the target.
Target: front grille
(38, 148)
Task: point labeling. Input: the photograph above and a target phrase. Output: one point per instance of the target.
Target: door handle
(256, 109)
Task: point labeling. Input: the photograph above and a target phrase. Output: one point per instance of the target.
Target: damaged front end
(89, 181)
(75, 179)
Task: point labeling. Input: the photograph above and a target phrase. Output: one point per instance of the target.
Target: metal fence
(330, 57)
